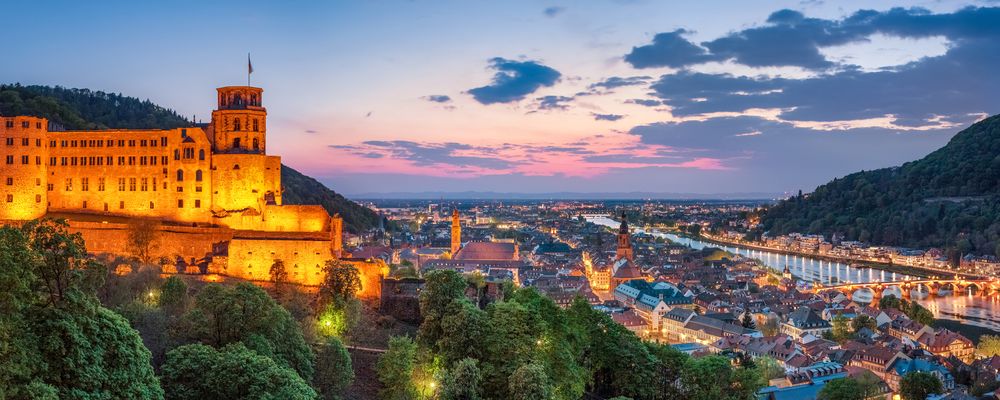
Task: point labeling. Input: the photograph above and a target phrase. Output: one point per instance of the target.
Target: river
(973, 310)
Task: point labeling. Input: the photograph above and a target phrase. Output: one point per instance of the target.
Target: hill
(950, 199)
(85, 109)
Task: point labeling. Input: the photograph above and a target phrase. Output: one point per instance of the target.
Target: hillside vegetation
(76, 109)
(950, 199)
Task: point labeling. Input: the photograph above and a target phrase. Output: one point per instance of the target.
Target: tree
(65, 271)
(529, 381)
(713, 378)
(278, 274)
(989, 345)
(841, 328)
(770, 326)
(863, 321)
(246, 313)
(395, 370)
(770, 368)
(440, 289)
(334, 372)
(341, 282)
(890, 301)
(174, 297)
(143, 235)
(463, 381)
(842, 389)
(918, 385)
(196, 371)
(747, 321)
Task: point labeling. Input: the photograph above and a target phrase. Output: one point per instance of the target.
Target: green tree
(246, 313)
(770, 368)
(530, 382)
(463, 381)
(863, 321)
(440, 289)
(842, 389)
(713, 378)
(143, 239)
(341, 282)
(278, 275)
(334, 372)
(395, 370)
(747, 321)
(919, 385)
(890, 301)
(841, 331)
(195, 371)
(174, 297)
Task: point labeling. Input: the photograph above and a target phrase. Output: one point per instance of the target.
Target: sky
(535, 96)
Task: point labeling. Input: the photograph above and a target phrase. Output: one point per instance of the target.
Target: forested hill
(950, 199)
(86, 109)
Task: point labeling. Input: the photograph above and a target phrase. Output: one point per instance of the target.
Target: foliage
(143, 235)
(78, 109)
(770, 326)
(890, 301)
(174, 297)
(341, 282)
(395, 370)
(714, 378)
(336, 319)
(441, 288)
(770, 368)
(747, 321)
(918, 385)
(989, 345)
(463, 381)
(863, 321)
(529, 381)
(245, 313)
(841, 331)
(300, 189)
(334, 372)
(843, 389)
(197, 371)
(278, 275)
(947, 199)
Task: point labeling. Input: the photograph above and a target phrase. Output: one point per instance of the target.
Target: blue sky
(527, 96)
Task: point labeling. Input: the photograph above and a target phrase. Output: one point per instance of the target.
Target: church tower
(624, 241)
(456, 232)
(239, 125)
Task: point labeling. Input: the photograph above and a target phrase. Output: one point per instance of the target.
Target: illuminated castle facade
(214, 187)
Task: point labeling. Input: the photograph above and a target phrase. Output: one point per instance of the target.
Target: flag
(249, 65)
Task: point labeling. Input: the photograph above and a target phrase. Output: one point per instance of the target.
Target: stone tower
(24, 156)
(624, 241)
(456, 232)
(239, 124)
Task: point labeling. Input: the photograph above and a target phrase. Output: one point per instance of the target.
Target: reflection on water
(973, 310)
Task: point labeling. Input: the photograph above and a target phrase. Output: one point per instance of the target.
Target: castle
(212, 188)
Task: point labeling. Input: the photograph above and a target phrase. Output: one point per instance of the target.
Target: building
(650, 301)
(623, 269)
(804, 321)
(496, 260)
(212, 190)
(456, 232)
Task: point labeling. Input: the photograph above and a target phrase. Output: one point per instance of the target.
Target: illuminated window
(236, 124)
(197, 204)
(144, 184)
(180, 203)
(201, 155)
(10, 198)
(255, 125)
(121, 184)
(38, 198)
(177, 154)
(25, 160)
(180, 175)
(85, 184)
(69, 184)
(10, 160)
(256, 144)
(131, 184)
(10, 181)
(197, 176)
(100, 184)
(151, 205)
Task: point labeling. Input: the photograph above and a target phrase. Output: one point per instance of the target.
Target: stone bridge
(958, 286)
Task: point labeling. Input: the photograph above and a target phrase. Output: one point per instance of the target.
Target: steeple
(624, 241)
(456, 232)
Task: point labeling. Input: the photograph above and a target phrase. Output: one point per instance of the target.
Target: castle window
(142, 160)
(152, 160)
(50, 187)
(100, 143)
(131, 184)
(180, 188)
(180, 203)
(10, 181)
(100, 184)
(10, 141)
(24, 124)
(255, 127)
(177, 154)
(62, 161)
(85, 184)
(38, 160)
(10, 160)
(197, 204)
(111, 143)
(144, 184)
(72, 143)
(72, 161)
(69, 184)
(63, 143)
(38, 125)
(188, 153)
(25, 160)
(180, 175)
(154, 184)
(121, 205)
(253, 100)
(236, 124)
(25, 142)
(143, 143)
(197, 189)
(52, 143)
(38, 142)
(83, 143)
(184, 132)
(38, 181)
(236, 143)
(197, 176)
(111, 160)
(10, 124)
(121, 143)
(83, 161)
(85, 204)
(256, 144)
(121, 184)
(152, 143)
(163, 141)
(201, 155)
(38, 198)
(237, 166)
(121, 160)
(131, 160)
(10, 198)
(131, 143)
(163, 160)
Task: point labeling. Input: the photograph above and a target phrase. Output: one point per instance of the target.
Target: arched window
(256, 144)
(180, 175)
(255, 126)
(236, 124)
(197, 175)
(253, 100)
(201, 154)
(236, 143)
(177, 154)
(237, 166)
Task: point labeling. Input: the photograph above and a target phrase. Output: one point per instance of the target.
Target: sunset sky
(530, 96)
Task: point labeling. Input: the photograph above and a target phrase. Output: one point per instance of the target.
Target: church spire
(624, 241)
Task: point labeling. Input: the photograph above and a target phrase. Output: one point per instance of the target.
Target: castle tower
(456, 232)
(336, 235)
(24, 156)
(239, 125)
(624, 241)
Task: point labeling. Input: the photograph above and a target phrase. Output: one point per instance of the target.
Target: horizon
(550, 98)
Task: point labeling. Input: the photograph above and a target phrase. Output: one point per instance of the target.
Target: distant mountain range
(474, 195)
(950, 199)
(84, 109)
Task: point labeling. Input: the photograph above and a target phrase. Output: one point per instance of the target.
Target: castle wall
(244, 181)
(23, 157)
(171, 241)
(251, 259)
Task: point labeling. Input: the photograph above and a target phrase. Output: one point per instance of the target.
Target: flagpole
(249, 71)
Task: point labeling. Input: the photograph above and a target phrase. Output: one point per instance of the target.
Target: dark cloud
(424, 154)
(669, 49)
(607, 117)
(553, 11)
(437, 98)
(789, 38)
(644, 102)
(617, 81)
(311, 131)
(514, 80)
(553, 102)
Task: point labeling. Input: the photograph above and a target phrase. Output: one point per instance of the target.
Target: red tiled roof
(487, 251)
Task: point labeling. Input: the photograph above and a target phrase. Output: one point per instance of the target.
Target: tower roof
(624, 227)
